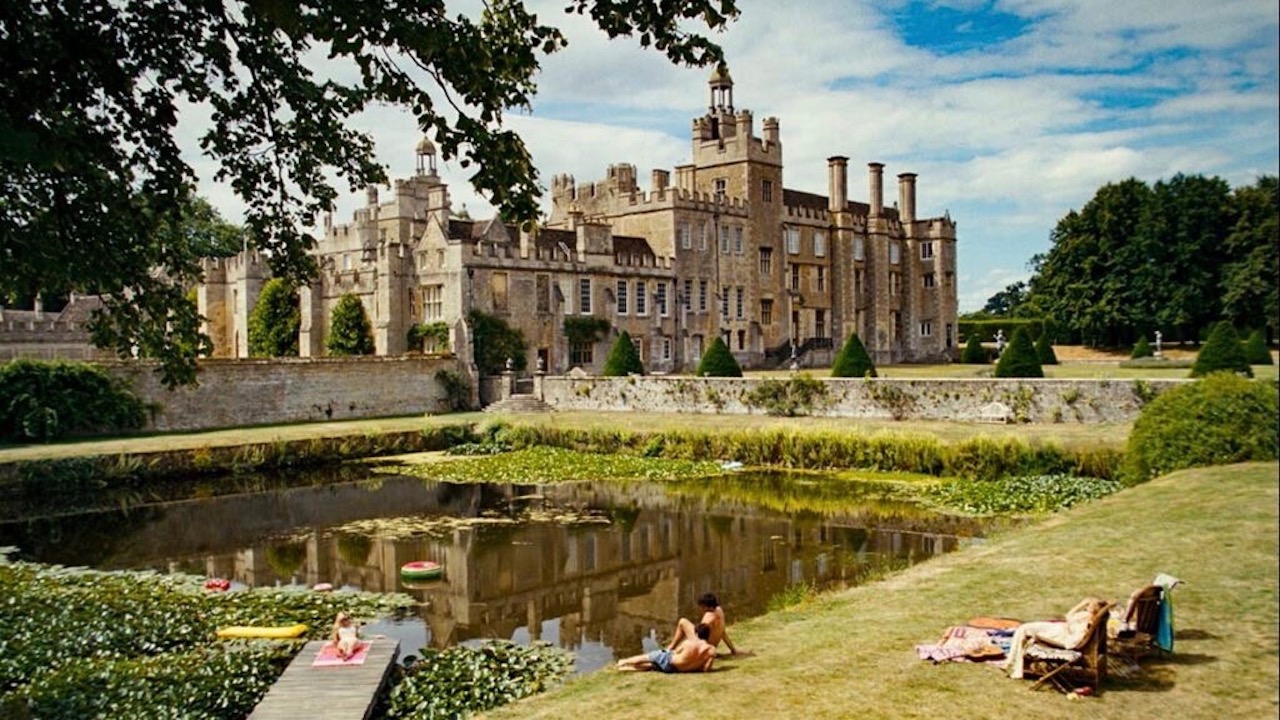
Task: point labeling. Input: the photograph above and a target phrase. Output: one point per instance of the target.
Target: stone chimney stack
(838, 183)
(907, 197)
(877, 188)
(371, 195)
(660, 180)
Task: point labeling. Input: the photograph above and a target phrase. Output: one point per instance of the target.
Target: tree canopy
(1176, 256)
(91, 169)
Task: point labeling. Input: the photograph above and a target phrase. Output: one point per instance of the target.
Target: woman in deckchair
(1067, 633)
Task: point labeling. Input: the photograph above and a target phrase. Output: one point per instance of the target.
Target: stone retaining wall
(283, 390)
(974, 400)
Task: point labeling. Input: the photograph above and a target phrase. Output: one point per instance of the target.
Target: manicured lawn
(850, 654)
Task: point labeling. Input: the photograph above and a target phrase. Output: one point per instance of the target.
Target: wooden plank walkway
(331, 693)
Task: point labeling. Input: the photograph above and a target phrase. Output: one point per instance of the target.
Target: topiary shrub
(1019, 359)
(1142, 349)
(974, 353)
(623, 359)
(350, 332)
(274, 322)
(1222, 351)
(719, 362)
(1221, 419)
(1044, 350)
(1255, 349)
(853, 360)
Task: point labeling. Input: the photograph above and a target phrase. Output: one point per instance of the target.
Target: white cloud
(1008, 137)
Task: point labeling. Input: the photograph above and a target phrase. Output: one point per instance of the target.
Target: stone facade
(261, 392)
(725, 251)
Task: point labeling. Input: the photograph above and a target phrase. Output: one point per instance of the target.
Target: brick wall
(980, 400)
(255, 392)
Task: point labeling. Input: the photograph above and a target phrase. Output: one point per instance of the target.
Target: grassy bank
(850, 654)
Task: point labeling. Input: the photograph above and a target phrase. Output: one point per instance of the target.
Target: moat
(602, 569)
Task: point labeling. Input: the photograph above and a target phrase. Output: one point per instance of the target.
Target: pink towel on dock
(328, 656)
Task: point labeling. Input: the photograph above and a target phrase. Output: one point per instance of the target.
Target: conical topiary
(974, 353)
(1019, 359)
(623, 359)
(719, 362)
(1222, 352)
(1255, 349)
(853, 360)
(1142, 349)
(350, 332)
(1044, 349)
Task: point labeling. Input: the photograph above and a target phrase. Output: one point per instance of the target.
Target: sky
(1012, 112)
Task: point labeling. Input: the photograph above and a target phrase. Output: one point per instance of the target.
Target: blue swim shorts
(661, 659)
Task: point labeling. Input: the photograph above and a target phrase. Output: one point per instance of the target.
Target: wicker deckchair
(1084, 665)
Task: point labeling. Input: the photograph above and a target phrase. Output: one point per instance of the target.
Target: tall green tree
(1250, 287)
(1175, 257)
(275, 321)
(1006, 302)
(350, 332)
(623, 359)
(91, 169)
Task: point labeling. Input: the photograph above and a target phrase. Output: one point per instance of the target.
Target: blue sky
(1012, 112)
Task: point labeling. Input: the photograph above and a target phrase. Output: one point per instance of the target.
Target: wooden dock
(331, 693)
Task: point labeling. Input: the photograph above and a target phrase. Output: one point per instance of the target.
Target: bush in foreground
(43, 401)
(1221, 419)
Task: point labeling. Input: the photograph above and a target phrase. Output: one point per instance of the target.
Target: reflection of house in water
(611, 584)
(615, 583)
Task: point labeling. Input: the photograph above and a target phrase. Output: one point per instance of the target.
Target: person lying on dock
(694, 654)
(346, 635)
(713, 618)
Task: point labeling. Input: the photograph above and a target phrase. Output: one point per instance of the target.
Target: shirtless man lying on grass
(713, 618)
(695, 654)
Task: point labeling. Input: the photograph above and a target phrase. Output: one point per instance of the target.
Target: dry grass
(850, 654)
(1071, 436)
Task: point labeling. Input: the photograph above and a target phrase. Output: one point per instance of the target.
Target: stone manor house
(719, 247)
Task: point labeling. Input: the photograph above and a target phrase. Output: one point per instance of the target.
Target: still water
(602, 569)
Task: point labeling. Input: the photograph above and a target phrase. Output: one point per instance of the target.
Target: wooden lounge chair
(1084, 665)
(1137, 634)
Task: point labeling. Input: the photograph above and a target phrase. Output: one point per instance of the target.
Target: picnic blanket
(966, 643)
(328, 656)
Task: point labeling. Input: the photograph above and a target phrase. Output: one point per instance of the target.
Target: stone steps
(519, 404)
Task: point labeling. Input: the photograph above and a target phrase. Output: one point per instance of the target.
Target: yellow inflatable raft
(255, 631)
